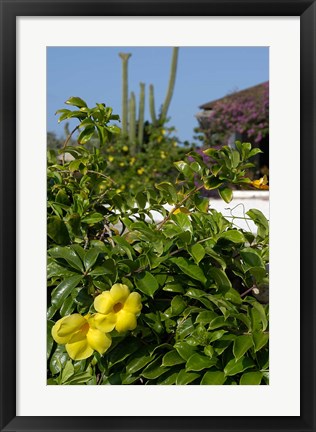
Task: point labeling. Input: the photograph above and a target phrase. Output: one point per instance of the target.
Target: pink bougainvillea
(246, 113)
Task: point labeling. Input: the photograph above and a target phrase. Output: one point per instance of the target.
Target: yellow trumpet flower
(81, 336)
(117, 309)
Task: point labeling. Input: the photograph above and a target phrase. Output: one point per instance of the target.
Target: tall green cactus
(141, 114)
(124, 57)
(132, 123)
(172, 80)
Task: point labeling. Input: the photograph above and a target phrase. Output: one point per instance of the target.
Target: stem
(248, 291)
(161, 224)
(67, 140)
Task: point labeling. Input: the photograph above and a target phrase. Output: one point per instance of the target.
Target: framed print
(156, 328)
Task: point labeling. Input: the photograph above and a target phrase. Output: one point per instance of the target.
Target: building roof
(255, 91)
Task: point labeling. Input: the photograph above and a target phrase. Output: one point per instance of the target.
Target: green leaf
(212, 183)
(184, 377)
(213, 378)
(241, 345)
(113, 129)
(254, 152)
(57, 230)
(235, 158)
(185, 169)
(172, 358)
(58, 359)
(69, 255)
(67, 372)
(170, 190)
(184, 350)
(192, 270)
(226, 194)
(67, 307)
(92, 218)
(220, 278)
(90, 258)
(198, 252)
(154, 370)
(234, 367)
(251, 378)
(177, 305)
(55, 269)
(123, 350)
(233, 236)
(86, 134)
(260, 220)
(168, 379)
(251, 257)
(64, 289)
(260, 340)
(183, 221)
(233, 296)
(146, 283)
(138, 363)
(260, 309)
(198, 362)
(50, 340)
(79, 378)
(76, 101)
(205, 317)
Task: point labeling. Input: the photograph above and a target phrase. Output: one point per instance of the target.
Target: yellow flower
(163, 155)
(81, 336)
(261, 183)
(140, 171)
(163, 131)
(125, 148)
(117, 309)
(111, 158)
(132, 161)
(122, 164)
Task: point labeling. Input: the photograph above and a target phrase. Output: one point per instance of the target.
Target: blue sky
(204, 74)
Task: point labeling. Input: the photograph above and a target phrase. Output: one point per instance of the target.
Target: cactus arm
(152, 104)
(172, 80)
(141, 114)
(132, 123)
(124, 57)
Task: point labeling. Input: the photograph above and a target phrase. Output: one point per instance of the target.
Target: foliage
(244, 113)
(195, 271)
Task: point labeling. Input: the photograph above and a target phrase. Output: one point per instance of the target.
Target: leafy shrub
(193, 271)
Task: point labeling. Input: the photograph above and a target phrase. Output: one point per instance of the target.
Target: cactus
(172, 80)
(141, 114)
(152, 105)
(132, 123)
(124, 57)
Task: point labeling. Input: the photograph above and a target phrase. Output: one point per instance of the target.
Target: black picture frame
(10, 9)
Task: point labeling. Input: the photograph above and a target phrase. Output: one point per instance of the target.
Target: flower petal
(64, 328)
(125, 321)
(79, 350)
(71, 324)
(55, 330)
(105, 323)
(119, 293)
(98, 340)
(133, 303)
(104, 302)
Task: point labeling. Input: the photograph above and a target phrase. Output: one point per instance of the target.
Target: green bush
(191, 274)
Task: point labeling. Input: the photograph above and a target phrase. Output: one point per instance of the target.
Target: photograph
(158, 215)
(157, 190)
